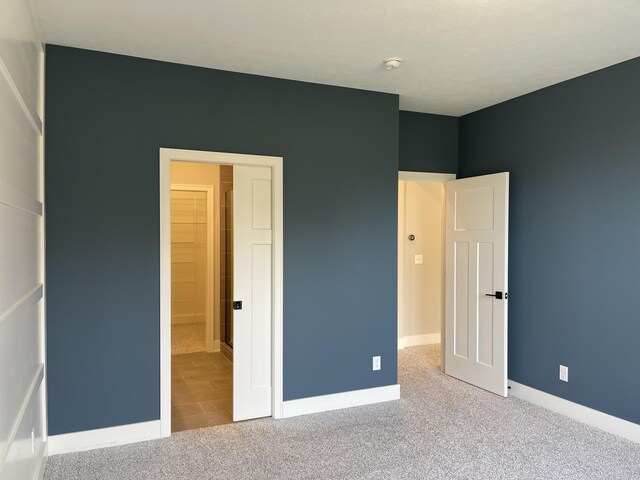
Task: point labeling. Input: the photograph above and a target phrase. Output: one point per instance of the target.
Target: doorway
(421, 266)
(201, 377)
(247, 292)
(457, 274)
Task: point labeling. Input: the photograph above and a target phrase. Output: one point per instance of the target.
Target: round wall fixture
(392, 63)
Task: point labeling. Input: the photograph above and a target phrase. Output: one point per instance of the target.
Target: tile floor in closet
(201, 390)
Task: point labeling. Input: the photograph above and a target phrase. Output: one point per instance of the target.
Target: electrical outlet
(417, 259)
(564, 373)
(376, 363)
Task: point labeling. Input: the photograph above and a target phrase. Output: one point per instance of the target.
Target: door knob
(497, 295)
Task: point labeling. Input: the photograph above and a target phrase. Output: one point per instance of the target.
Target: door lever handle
(497, 295)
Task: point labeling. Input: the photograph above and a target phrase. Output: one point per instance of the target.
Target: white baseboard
(41, 466)
(414, 340)
(337, 401)
(594, 418)
(215, 346)
(103, 437)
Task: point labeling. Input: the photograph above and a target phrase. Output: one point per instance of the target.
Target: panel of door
(252, 285)
(476, 236)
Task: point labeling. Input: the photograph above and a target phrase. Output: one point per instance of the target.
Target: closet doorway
(421, 259)
(201, 376)
(238, 376)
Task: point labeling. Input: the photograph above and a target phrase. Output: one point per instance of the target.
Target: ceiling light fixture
(392, 63)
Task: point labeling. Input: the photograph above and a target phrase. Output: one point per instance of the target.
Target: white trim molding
(12, 197)
(41, 464)
(338, 401)
(32, 116)
(103, 437)
(24, 415)
(28, 399)
(168, 155)
(414, 340)
(32, 297)
(425, 176)
(594, 418)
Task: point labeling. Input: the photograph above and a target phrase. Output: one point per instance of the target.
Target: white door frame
(404, 176)
(167, 155)
(212, 283)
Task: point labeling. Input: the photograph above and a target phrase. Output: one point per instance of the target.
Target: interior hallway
(442, 428)
(201, 390)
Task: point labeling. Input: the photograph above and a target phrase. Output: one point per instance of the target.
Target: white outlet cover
(376, 363)
(418, 259)
(564, 373)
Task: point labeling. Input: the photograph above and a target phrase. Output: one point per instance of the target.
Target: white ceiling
(459, 55)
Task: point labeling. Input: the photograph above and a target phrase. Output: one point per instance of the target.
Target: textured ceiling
(459, 55)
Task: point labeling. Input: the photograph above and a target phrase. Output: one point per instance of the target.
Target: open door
(252, 286)
(477, 229)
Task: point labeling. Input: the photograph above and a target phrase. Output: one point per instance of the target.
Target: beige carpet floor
(441, 429)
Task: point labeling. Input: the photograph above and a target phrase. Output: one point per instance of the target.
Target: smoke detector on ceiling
(392, 63)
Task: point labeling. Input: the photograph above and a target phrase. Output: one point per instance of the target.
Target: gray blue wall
(573, 151)
(428, 143)
(107, 117)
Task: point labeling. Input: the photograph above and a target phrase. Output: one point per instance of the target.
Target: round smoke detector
(392, 63)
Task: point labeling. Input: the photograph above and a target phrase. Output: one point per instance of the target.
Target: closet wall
(189, 244)
(188, 256)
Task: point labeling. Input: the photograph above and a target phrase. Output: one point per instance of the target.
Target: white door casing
(275, 164)
(477, 228)
(252, 285)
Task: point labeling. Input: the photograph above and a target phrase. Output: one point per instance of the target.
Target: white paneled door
(252, 285)
(477, 228)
